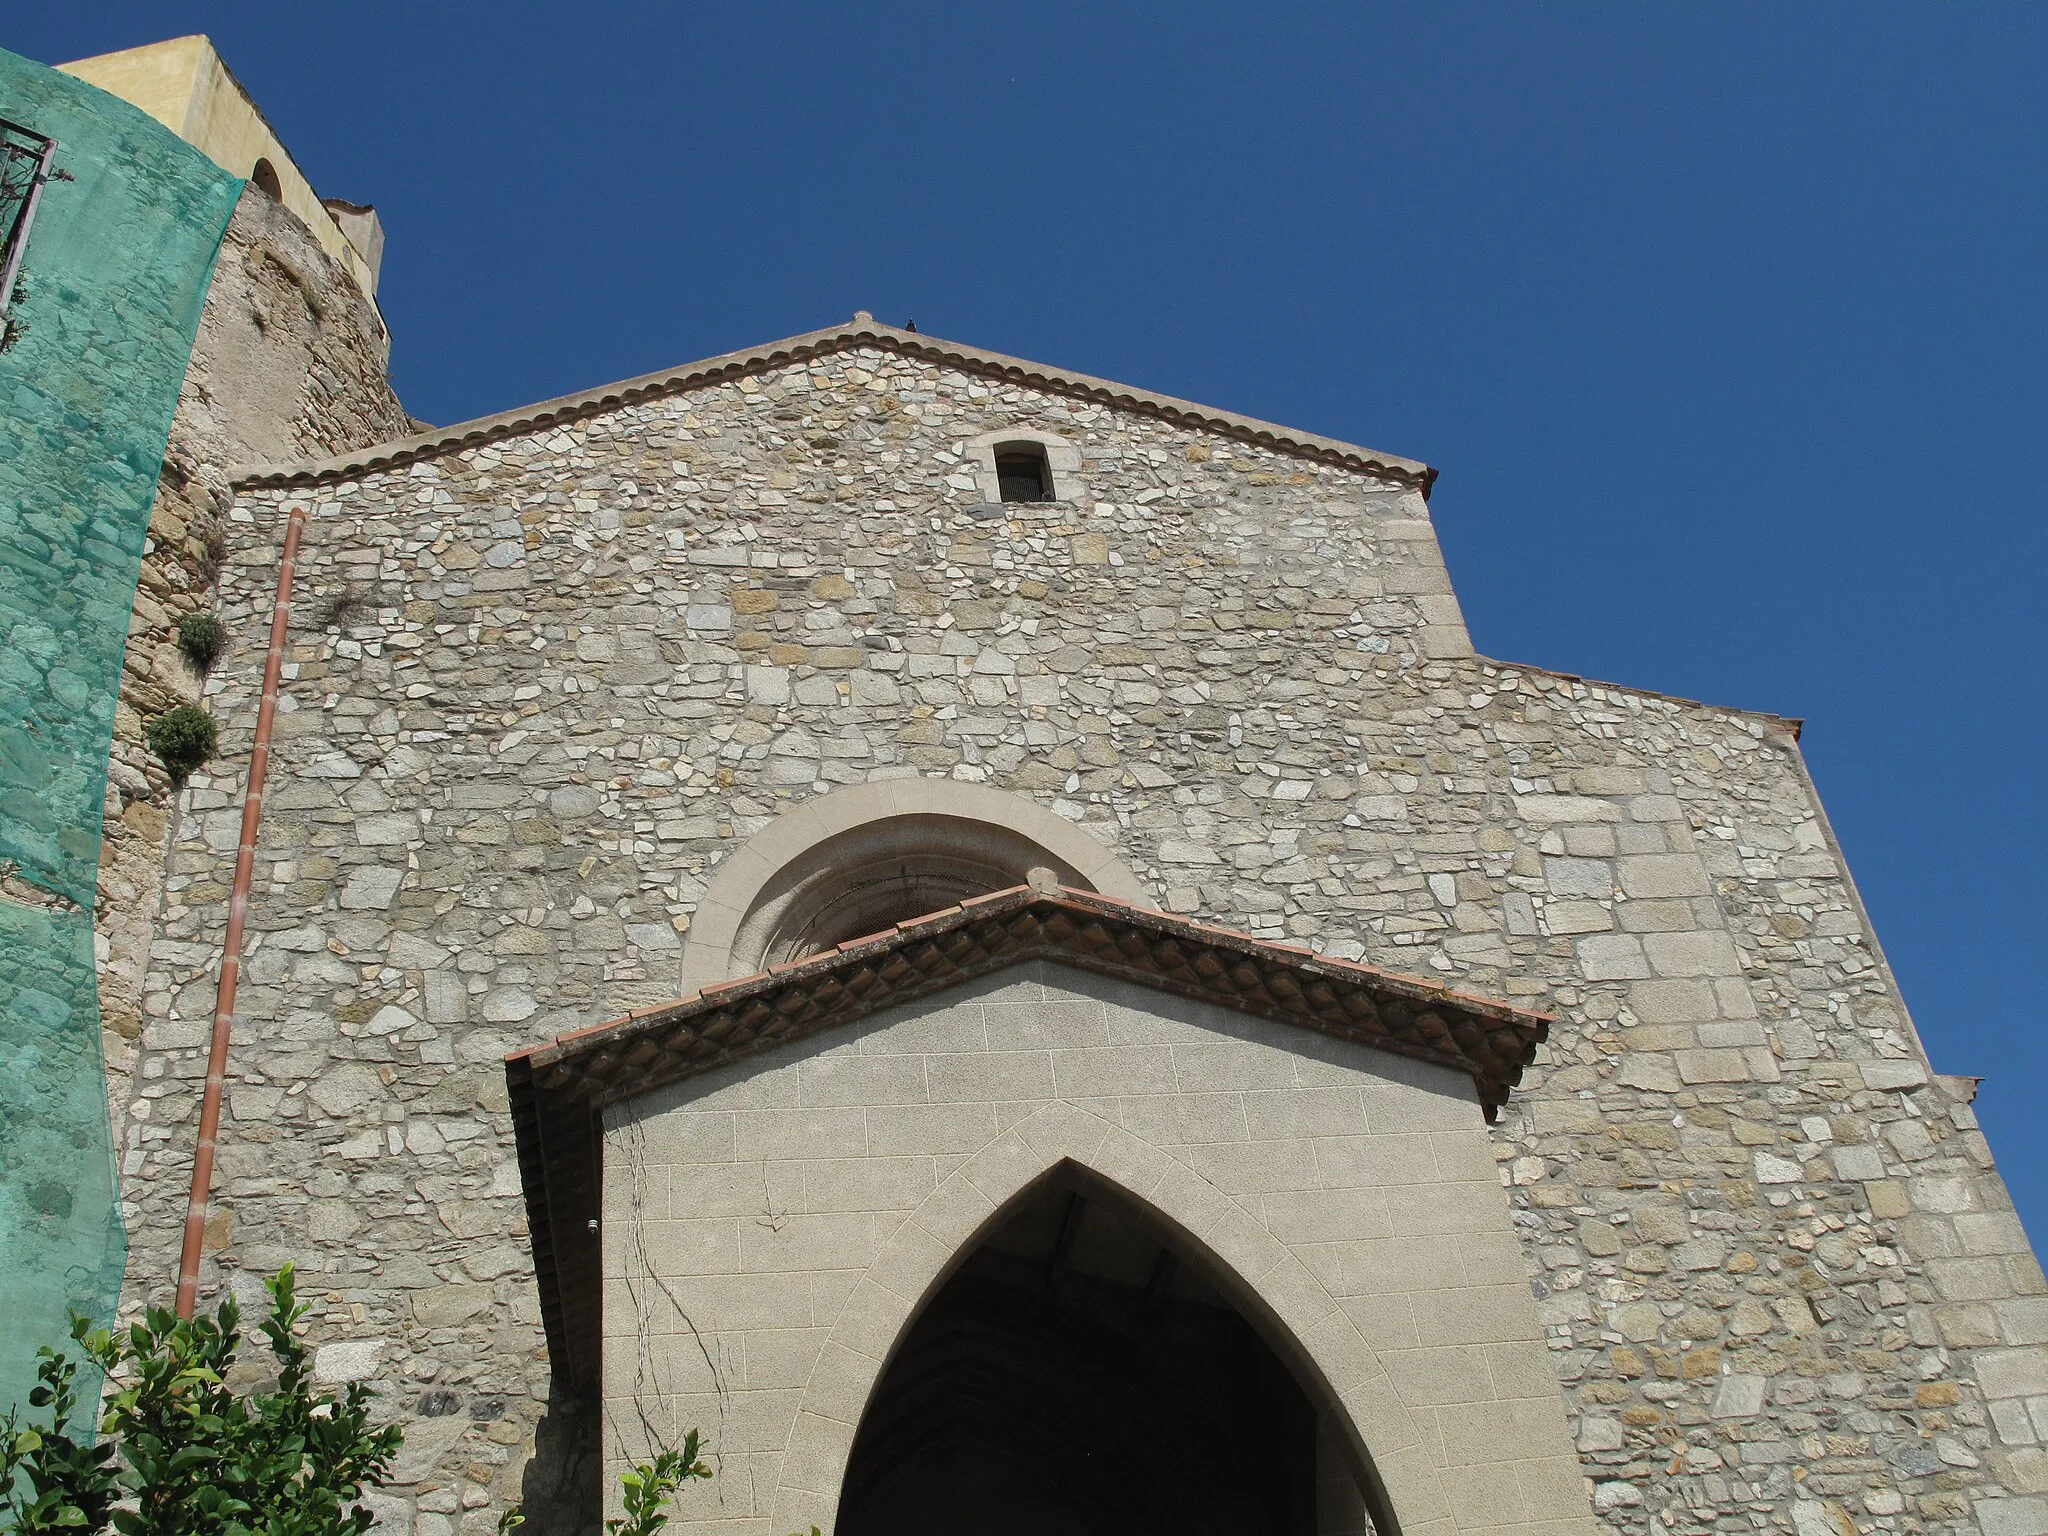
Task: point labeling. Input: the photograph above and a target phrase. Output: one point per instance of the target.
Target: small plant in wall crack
(340, 610)
(182, 738)
(213, 554)
(202, 639)
(648, 1488)
(646, 1491)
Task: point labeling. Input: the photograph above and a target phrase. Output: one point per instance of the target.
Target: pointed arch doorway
(1081, 1373)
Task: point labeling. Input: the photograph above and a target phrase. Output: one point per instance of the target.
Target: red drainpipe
(238, 914)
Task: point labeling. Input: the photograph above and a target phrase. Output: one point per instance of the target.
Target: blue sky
(1725, 325)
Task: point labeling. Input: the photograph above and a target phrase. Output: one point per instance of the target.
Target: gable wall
(600, 657)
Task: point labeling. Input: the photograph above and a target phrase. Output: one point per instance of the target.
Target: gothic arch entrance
(1082, 1373)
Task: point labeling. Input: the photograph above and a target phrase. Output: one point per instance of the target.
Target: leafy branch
(182, 1452)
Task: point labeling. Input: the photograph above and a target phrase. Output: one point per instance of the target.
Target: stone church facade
(1451, 1095)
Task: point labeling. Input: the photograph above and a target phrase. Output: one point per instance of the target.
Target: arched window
(1022, 472)
(887, 872)
(1024, 464)
(264, 179)
(872, 855)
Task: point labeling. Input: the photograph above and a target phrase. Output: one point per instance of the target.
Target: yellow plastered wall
(183, 84)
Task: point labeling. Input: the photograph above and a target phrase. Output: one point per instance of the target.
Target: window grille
(24, 168)
(1022, 473)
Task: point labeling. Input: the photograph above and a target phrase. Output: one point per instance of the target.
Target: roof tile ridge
(1795, 724)
(396, 452)
(399, 452)
(1133, 396)
(778, 974)
(1115, 908)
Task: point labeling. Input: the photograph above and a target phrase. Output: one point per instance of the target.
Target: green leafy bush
(49, 1479)
(183, 738)
(202, 640)
(193, 1455)
(182, 1453)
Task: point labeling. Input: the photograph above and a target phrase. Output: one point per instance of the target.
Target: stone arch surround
(1062, 460)
(722, 944)
(1272, 1286)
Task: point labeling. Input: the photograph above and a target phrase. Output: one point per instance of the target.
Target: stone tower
(901, 906)
(183, 303)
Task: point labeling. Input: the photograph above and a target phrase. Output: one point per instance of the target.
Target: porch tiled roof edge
(862, 331)
(560, 1087)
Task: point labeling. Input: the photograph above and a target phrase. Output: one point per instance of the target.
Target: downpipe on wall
(238, 913)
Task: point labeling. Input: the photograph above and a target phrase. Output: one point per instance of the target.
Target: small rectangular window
(24, 167)
(1022, 473)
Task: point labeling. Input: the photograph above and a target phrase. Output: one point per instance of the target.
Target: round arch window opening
(884, 873)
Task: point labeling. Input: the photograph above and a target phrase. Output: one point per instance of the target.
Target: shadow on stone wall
(562, 1494)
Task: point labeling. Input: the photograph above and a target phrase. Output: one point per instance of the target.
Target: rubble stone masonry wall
(539, 689)
(289, 363)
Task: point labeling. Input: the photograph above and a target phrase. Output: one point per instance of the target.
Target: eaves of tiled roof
(560, 1087)
(862, 331)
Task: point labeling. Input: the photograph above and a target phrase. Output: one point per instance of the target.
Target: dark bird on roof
(910, 325)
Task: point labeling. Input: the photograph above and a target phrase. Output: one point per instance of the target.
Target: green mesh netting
(58, 1203)
(102, 322)
(115, 278)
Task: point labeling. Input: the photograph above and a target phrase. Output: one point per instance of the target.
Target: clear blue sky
(1725, 324)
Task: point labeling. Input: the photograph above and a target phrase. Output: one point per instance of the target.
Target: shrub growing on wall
(183, 738)
(202, 640)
